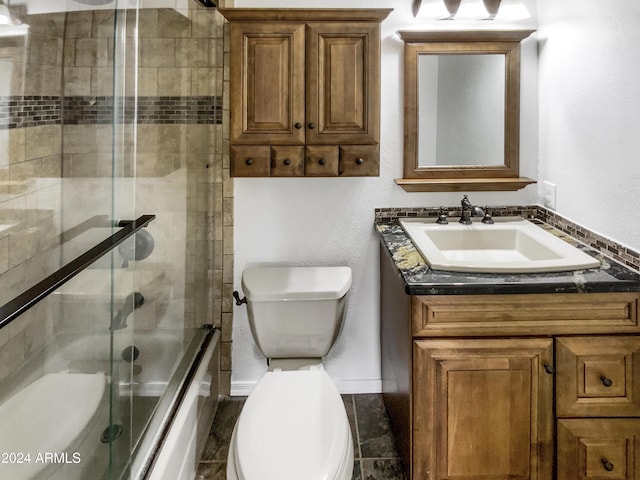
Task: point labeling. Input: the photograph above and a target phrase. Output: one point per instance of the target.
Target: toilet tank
(296, 312)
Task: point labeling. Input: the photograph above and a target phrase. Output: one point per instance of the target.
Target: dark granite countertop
(419, 279)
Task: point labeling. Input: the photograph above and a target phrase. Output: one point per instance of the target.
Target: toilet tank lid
(295, 283)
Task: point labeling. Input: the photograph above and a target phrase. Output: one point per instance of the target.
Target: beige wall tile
(43, 141)
(157, 52)
(171, 24)
(79, 24)
(192, 52)
(77, 81)
(174, 81)
(92, 52)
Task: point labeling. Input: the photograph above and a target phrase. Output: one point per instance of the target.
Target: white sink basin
(511, 244)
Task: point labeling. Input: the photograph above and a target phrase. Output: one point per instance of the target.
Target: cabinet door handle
(608, 466)
(287, 162)
(249, 161)
(548, 368)
(360, 160)
(311, 126)
(298, 125)
(607, 382)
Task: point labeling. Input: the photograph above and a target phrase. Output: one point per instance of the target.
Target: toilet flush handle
(239, 301)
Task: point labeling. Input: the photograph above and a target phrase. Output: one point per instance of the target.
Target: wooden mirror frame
(463, 177)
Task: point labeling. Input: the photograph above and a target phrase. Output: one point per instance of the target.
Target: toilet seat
(293, 426)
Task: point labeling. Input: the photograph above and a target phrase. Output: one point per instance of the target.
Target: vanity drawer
(599, 449)
(545, 314)
(598, 376)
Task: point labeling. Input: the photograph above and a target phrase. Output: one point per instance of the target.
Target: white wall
(590, 113)
(329, 221)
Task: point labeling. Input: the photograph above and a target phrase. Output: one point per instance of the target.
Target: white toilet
(293, 426)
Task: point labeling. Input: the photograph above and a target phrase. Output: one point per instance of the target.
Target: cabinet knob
(360, 160)
(249, 161)
(287, 162)
(607, 382)
(298, 125)
(608, 466)
(322, 161)
(312, 126)
(548, 368)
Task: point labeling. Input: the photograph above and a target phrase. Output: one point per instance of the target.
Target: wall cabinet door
(482, 409)
(267, 92)
(343, 83)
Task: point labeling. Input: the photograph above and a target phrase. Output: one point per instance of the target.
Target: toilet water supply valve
(239, 301)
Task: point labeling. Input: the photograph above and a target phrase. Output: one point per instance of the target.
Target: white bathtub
(51, 425)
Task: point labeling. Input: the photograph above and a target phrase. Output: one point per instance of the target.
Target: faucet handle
(442, 217)
(487, 216)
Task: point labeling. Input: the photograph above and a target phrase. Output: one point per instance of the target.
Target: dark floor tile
(212, 471)
(376, 438)
(357, 471)
(348, 406)
(382, 469)
(217, 445)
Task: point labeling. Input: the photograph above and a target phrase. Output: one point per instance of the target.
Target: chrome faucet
(469, 211)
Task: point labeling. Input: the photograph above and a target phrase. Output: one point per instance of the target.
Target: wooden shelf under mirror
(474, 143)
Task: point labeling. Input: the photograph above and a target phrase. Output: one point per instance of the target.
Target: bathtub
(58, 410)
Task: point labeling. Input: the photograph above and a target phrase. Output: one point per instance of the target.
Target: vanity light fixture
(501, 10)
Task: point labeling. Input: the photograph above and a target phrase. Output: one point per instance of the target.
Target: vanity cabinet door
(599, 449)
(267, 100)
(482, 409)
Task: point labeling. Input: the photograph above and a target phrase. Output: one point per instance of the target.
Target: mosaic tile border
(608, 247)
(29, 111)
(32, 111)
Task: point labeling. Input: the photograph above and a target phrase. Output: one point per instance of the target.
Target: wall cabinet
(477, 386)
(305, 91)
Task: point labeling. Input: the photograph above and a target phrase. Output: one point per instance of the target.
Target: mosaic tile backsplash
(620, 253)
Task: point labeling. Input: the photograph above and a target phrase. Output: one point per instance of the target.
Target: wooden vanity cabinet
(308, 78)
(476, 386)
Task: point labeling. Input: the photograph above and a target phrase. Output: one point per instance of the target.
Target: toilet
(293, 425)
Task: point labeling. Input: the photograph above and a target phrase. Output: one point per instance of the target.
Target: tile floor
(376, 456)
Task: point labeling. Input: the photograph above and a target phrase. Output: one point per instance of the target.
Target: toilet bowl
(294, 425)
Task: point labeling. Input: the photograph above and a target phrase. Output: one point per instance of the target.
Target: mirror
(462, 110)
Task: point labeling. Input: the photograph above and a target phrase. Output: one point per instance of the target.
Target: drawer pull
(608, 466)
(287, 162)
(548, 368)
(360, 161)
(322, 161)
(607, 382)
(249, 161)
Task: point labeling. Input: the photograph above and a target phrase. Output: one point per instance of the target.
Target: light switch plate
(549, 195)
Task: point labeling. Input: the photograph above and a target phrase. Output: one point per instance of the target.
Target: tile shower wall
(55, 124)
(30, 174)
